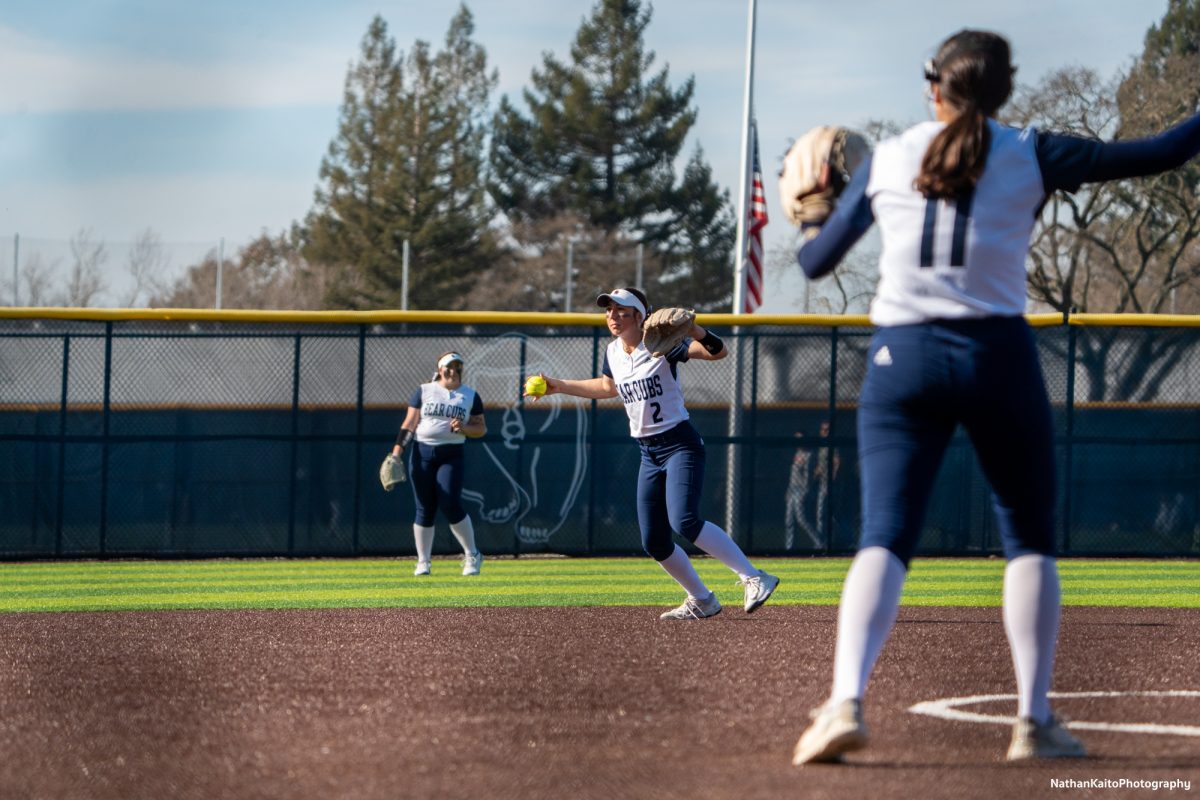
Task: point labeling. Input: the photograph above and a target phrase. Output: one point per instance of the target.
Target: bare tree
(850, 287)
(1124, 246)
(531, 274)
(1127, 246)
(84, 280)
(268, 273)
(1064, 272)
(146, 265)
(38, 276)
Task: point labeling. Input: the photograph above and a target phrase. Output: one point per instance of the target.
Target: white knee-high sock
(1032, 606)
(424, 537)
(870, 600)
(717, 544)
(679, 567)
(464, 531)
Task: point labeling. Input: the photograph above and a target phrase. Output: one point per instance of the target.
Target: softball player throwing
(442, 415)
(956, 200)
(671, 473)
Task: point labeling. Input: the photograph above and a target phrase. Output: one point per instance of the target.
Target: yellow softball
(535, 385)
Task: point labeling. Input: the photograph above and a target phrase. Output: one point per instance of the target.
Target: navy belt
(666, 437)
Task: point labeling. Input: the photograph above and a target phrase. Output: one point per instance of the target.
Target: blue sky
(209, 120)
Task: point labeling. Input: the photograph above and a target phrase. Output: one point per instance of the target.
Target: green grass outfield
(375, 583)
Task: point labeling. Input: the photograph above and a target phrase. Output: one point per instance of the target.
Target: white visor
(621, 297)
(449, 358)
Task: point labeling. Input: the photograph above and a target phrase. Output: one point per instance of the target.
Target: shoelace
(752, 583)
(690, 607)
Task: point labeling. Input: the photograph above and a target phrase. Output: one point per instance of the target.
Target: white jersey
(944, 259)
(439, 406)
(648, 386)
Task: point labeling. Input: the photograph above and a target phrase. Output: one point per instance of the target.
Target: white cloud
(41, 77)
(183, 209)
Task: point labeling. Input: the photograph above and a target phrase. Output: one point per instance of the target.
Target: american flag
(756, 220)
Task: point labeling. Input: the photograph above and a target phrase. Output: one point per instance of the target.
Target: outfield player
(956, 200)
(671, 473)
(810, 474)
(442, 415)
(795, 515)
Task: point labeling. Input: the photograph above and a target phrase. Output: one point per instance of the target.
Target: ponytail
(974, 72)
(955, 159)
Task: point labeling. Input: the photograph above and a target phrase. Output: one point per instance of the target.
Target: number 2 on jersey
(657, 415)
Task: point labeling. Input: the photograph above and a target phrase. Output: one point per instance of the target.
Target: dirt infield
(553, 703)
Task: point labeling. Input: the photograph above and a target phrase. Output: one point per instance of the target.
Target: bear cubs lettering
(445, 411)
(640, 389)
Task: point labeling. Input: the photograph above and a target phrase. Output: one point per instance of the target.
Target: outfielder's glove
(666, 328)
(806, 191)
(392, 471)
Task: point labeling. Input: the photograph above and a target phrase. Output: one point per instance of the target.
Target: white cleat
(1049, 739)
(836, 728)
(695, 608)
(472, 563)
(422, 568)
(758, 589)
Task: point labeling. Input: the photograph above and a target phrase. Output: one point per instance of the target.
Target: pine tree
(407, 165)
(697, 268)
(1178, 34)
(602, 138)
(601, 141)
(1163, 85)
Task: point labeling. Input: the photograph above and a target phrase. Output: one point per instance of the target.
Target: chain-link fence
(213, 436)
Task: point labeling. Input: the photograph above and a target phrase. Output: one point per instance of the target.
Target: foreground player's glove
(816, 169)
(666, 328)
(391, 472)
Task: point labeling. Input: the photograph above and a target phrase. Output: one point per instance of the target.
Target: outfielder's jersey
(648, 386)
(439, 406)
(959, 258)
(951, 259)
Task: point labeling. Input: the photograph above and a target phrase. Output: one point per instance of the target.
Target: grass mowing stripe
(300, 583)
(387, 582)
(919, 565)
(951, 577)
(103, 590)
(404, 571)
(350, 577)
(609, 567)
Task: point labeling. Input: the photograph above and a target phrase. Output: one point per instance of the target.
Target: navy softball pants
(437, 480)
(670, 477)
(923, 381)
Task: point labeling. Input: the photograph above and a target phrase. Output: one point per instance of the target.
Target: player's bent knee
(690, 528)
(659, 551)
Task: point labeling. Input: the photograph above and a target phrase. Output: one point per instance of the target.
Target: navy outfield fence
(178, 433)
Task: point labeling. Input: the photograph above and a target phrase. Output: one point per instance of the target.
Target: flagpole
(732, 488)
(739, 248)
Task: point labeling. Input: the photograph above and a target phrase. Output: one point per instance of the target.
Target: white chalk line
(947, 708)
